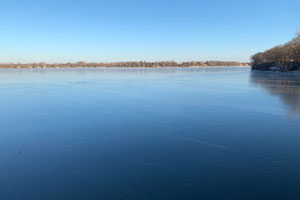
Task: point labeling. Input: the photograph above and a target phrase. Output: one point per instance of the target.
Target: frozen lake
(149, 133)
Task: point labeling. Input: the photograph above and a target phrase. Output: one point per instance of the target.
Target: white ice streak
(202, 142)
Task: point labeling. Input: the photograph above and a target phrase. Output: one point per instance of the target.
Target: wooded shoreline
(279, 58)
(124, 64)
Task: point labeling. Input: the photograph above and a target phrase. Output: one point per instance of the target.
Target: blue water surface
(149, 133)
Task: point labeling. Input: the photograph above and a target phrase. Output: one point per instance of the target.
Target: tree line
(124, 64)
(284, 57)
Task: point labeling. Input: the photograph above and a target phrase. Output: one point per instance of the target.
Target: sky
(143, 30)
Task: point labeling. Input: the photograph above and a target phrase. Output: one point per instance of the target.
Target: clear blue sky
(151, 30)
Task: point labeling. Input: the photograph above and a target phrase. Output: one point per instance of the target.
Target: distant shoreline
(163, 64)
(212, 66)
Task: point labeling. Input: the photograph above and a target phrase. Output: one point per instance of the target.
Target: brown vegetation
(124, 64)
(283, 57)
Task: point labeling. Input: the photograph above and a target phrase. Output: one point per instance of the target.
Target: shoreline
(163, 64)
(285, 67)
(246, 66)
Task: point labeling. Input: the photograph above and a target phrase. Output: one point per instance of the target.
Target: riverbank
(271, 66)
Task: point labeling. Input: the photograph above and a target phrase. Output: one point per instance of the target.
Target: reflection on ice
(284, 85)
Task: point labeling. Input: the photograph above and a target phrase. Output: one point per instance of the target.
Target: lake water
(145, 134)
